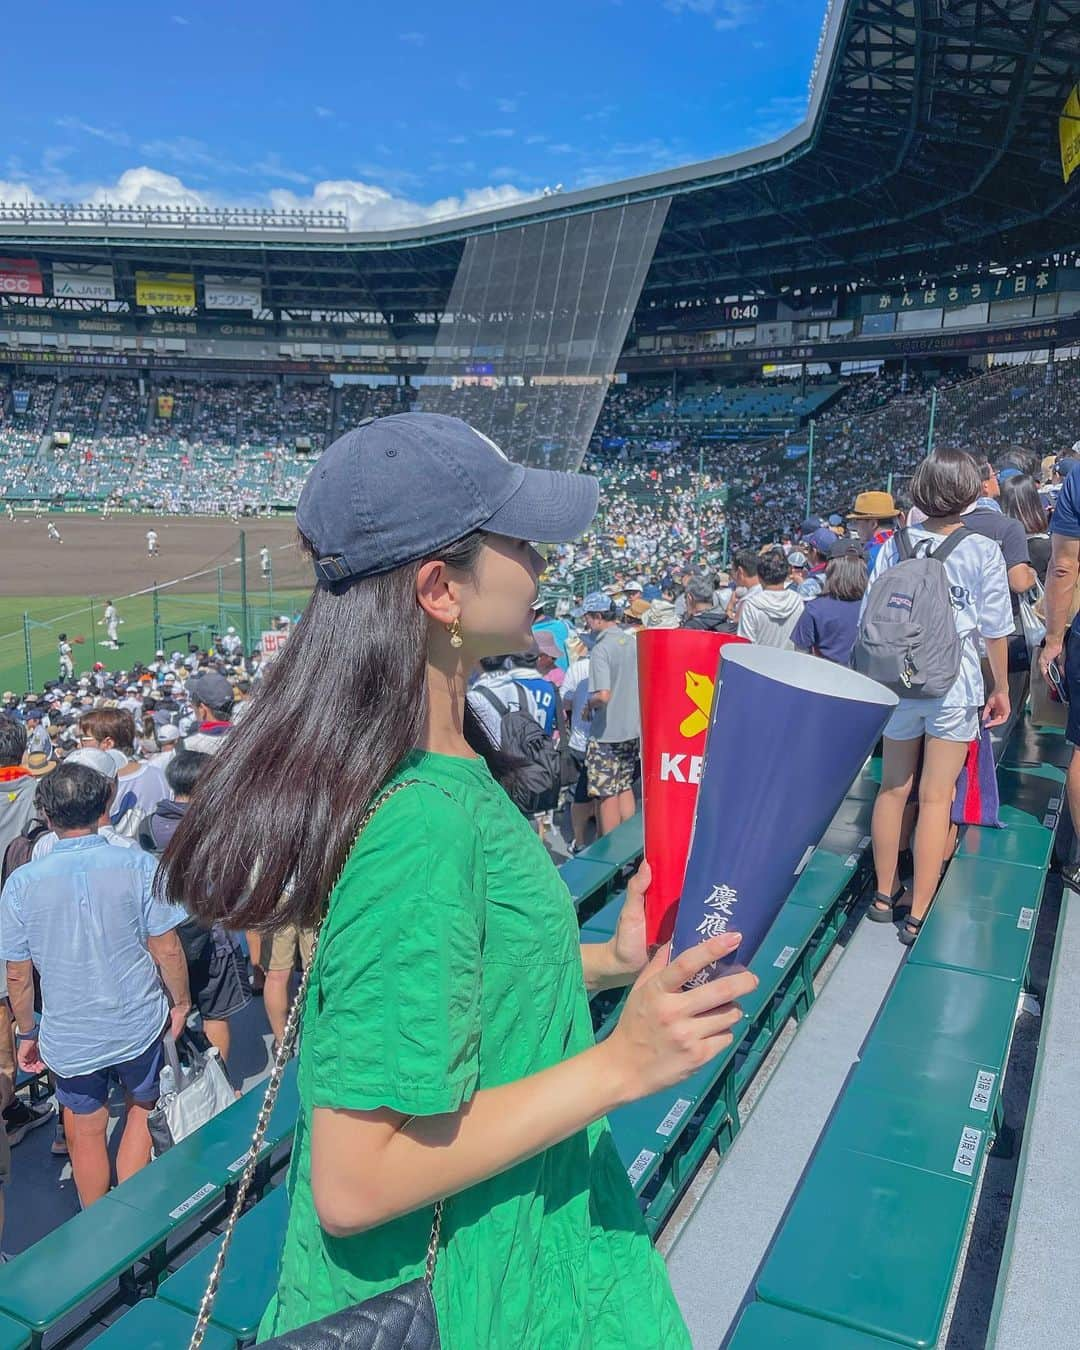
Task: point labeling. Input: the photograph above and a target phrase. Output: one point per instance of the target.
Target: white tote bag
(1032, 618)
(193, 1092)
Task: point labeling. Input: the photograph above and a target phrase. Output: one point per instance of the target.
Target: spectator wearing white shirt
(939, 730)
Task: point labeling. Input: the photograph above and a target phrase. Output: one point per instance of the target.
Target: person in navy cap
(452, 1093)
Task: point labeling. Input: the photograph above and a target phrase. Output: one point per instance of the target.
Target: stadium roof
(930, 146)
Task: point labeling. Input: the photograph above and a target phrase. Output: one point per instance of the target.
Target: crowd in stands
(189, 446)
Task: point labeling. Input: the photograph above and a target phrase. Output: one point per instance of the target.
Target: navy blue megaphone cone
(787, 736)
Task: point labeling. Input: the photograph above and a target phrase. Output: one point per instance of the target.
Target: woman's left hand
(628, 947)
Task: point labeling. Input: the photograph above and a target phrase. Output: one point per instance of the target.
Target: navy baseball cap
(210, 688)
(396, 489)
(823, 541)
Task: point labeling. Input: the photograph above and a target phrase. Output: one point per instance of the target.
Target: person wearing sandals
(447, 1060)
(944, 486)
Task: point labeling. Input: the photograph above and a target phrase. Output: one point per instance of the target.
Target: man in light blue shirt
(106, 950)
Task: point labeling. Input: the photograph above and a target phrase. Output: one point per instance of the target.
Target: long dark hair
(1020, 499)
(273, 818)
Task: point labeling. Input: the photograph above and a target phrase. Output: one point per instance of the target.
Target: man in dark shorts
(86, 918)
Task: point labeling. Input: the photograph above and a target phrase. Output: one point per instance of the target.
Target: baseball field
(190, 591)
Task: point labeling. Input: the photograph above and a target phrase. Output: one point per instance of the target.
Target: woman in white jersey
(940, 730)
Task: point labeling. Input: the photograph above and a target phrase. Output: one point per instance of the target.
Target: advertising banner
(1069, 133)
(20, 276)
(76, 281)
(676, 670)
(233, 293)
(164, 406)
(166, 290)
(756, 822)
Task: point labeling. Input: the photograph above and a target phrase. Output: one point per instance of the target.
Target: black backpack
(533, 775)
(21, 848)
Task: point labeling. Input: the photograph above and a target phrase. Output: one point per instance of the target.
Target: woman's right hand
(665, 1032)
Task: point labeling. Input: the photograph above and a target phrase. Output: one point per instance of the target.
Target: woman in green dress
(447, 1049)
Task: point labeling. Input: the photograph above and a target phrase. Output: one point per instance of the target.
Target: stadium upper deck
(929, 148)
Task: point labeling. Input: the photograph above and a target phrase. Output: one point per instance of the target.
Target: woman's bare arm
(368, 1167)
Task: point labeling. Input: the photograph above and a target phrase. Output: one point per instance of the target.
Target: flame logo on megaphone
(699, 690)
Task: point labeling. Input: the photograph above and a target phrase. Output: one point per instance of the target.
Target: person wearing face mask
(447, 1063)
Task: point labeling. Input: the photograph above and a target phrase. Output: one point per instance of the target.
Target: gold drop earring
(454, 629)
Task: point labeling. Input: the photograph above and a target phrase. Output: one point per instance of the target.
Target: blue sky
(393, 112)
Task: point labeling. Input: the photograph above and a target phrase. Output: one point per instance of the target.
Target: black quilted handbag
(397, 1319)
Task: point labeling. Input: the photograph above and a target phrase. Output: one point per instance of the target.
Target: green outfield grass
(178, 615)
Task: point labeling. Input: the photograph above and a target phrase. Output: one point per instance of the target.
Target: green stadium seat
(250, 1274)
(153, 1325)
(968, 1090)
(983, 919)
(1029, 747)
(935, 1009)
(13, 1335)
(883, 1261)
(622, 847)
(1029, 846)
(1029, 797)
(602, 924)
(887, 1124)
(763, 1326)
(646, 1131)
(73, 1263)
(821, 881)
(587, 880)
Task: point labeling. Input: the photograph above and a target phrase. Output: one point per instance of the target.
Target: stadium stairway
(855, 1175)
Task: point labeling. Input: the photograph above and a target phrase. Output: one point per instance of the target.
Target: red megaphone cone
(676, 673)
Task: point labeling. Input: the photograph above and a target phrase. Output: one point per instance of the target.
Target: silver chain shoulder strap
(284, 1054)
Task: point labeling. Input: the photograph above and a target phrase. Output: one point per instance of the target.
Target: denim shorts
(915, 717)
(85, 1093)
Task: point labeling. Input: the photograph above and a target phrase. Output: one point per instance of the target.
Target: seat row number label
(192, 1200)
(983, 1090)
(674, 1116)
(964, 1162)
(784, 957)
(1026, 918)
(638, 1166)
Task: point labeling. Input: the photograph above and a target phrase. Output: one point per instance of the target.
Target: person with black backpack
(519, 712)
(934, 588)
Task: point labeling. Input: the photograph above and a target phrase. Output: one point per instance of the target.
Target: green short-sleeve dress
(449, 962)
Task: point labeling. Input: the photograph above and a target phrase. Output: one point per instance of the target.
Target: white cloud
(725, 14)
(179, 18)
(270, 166)
(374, 208)
(501, 132)
(99, 133)
(414, 39)
(320, 111)
(367, 206)
(506, 105)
